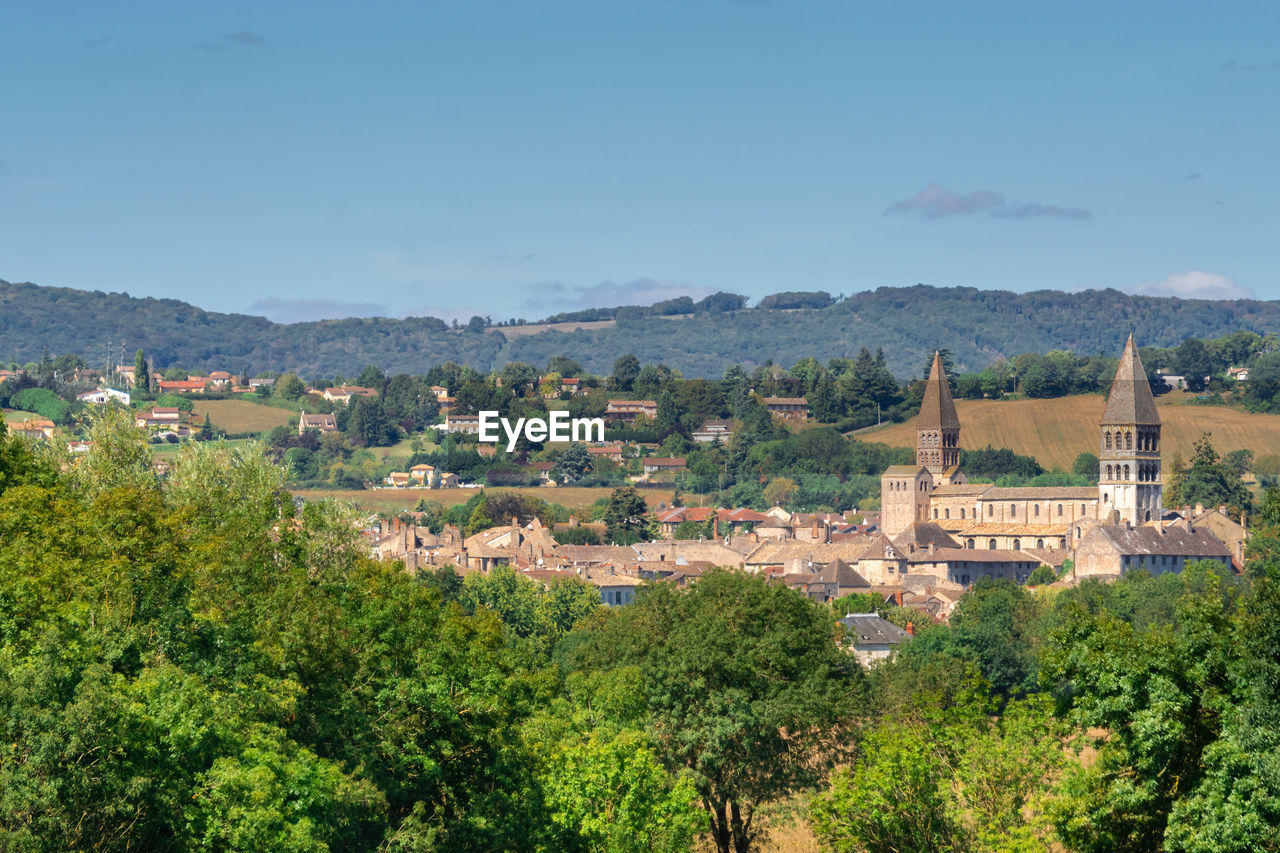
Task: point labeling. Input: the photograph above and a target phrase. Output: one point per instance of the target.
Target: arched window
(1013, 510)
(1039, 543)
(1037, 510)
(1107, 435)
(935, 513)
(1109, 472)
(992, 544)
(1126, 472)
(968, 543)
(1059, 510)
(991, 510)
(946, 513)
(1017, 544)
(1128, 441)
(962, 512)
(1148, 515)
(1082, 509)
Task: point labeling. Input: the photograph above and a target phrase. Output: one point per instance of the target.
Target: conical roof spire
(1130, 400)
(937, 409)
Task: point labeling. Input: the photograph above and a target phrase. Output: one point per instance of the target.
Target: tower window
(1107, 436)
(1039, 543)
(991, 510)
(1013, 510)
(1037, 510)
(1059, 510)
(1128, 441)
(992, 544)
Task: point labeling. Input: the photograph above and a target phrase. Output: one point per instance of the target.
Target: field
(395, 500)
(238, 416)
(12, 416)
(513, 332)
(1055, 432)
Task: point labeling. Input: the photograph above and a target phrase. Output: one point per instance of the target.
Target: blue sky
(519, 158)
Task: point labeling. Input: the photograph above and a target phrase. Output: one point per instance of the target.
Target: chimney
(1199, 509)
(911, 629)
(826, 534)
(715, 526)
(814, 534)
(573, 521)
(898, 597)
(515, 522)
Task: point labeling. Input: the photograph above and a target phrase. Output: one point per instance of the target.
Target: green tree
(626, 517)
(745, 690)
(1086, 465)
(290, 387)
(625, 371)
(574, 463)
(141, 373)
(1211, 481)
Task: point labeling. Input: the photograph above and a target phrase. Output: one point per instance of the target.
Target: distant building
(629, 410)
(317, 423)
(871, 637)
(788, 408)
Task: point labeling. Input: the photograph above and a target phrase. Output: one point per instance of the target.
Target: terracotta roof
(1042, 493)
(902, 470)
(937, 409)
(1130, 400)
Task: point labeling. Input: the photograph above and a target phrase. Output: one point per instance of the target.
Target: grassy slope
(1056, 431)
(394, 500)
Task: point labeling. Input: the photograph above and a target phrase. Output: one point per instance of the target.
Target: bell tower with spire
(938, 426)
(1129, 480)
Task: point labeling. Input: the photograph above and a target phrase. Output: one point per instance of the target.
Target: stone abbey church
(1105, 529)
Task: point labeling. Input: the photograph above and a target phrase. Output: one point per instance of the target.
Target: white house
(105, 395)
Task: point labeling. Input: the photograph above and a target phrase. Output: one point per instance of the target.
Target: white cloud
(1196, 284)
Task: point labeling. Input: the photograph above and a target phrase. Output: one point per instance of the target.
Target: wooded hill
(909, 322)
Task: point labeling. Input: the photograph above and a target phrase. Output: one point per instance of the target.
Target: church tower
(938, 426)
(1129, 479)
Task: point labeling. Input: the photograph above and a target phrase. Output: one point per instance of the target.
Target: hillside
(907, 323)
(1056, 431)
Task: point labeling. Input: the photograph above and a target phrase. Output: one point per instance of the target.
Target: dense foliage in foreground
(196, 664)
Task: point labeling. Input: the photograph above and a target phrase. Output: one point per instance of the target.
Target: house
(1110, 550)
(871, 637)
(79, 446)
(788, 408)
(397, 479)
(33, 428)
(658, 464)
(344, 393)
(544, 469)
(194, 385)
(159, 417)
(628, 410)
(11, 374)
(319, 423)
(614, 451)
(712, 431)
(441, 392)
(255, 384)
(572, 385)
(423, 475)
(1239, 374)
(449, 481)
(221, 379)
(1172, 380)
(460, 423)
(104, 395)
(964, 566)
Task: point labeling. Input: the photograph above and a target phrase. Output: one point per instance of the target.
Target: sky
(516, 159)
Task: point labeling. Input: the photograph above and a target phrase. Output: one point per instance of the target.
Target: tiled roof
(937, 409)
(1173, 541)
(1130, 400)
(872, 629)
